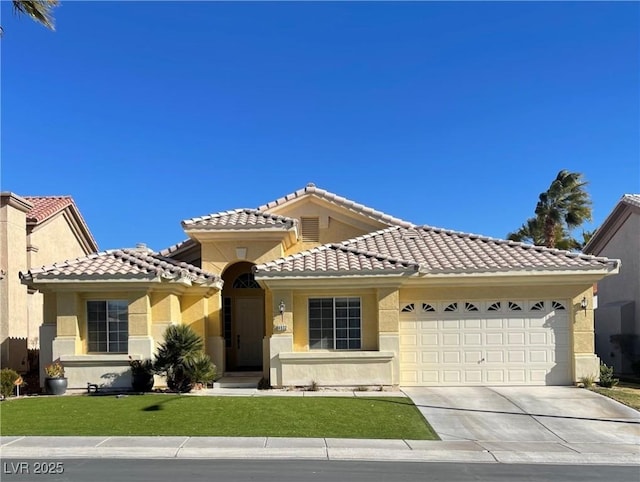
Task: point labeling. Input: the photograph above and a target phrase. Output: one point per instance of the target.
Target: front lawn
(627, 393)
(164, 414)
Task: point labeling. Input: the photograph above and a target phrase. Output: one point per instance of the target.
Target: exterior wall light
(583, 304)
(281, 307)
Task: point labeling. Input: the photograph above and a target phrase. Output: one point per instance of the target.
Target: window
(410, 308)
(226, 315)
(108, 326)
(246, 280)
(334, 323)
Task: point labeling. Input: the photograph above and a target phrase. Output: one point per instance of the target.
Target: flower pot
(142, 382)
(55, 386)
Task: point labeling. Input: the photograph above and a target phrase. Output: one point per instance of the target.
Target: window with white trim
(335, 324)
(108, 326)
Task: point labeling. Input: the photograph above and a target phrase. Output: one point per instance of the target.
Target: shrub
(201, 369)
(606, 377)
(587, 381)
(177, 357)
(54, 369)
(7, 381)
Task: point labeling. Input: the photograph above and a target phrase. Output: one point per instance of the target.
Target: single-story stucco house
(313, 287)
(617, 317)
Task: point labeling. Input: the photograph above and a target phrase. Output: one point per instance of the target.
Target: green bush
(201, 368)
(7, 380)
(182, 360)
(606, 377)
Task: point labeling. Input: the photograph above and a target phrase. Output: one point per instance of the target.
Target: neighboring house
(314, 287)
(618, 312)
(34, 231)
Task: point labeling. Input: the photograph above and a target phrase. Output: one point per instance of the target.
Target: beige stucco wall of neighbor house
(54, 241)
(619, 296)
(13, 295)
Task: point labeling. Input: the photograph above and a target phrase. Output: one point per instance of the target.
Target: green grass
(627, 393)
(384, 418)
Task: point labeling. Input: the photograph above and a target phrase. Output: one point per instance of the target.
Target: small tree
(181, 359)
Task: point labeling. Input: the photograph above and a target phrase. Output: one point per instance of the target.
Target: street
(169, 470)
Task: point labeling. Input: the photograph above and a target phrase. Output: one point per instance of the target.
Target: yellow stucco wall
(165, 307)
(218, 255)
(194, 312)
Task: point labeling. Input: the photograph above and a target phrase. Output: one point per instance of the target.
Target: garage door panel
(494, 339)
(473, 376)
(430, 357)
(539, 338)
(451, 376)
(494, 323)
(473, 324)
(516, 356)
(430, 339)
(495, 376)
(472, 356)
(516, 323)
(451, 339)
(428, 325)
(539, 356)
(494, 356)
(472, 339)
(451, 357)
(518, 376)
(450, 324)
(487, 347)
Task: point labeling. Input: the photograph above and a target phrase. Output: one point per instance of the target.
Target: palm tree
(561, 208)
(533, 232)
(38, 10)
(566, 203)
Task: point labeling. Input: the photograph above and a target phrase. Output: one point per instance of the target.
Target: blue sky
(452, 114)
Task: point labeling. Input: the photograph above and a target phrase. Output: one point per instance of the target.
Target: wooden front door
(249, 332)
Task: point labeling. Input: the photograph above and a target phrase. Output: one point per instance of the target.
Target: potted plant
(141, 374)
(55, 382)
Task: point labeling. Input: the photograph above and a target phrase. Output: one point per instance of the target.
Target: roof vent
(311, 184)
(142, 247)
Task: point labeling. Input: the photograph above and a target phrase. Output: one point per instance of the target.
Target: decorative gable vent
(310, 228)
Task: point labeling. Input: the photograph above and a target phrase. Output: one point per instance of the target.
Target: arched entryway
(242, 318)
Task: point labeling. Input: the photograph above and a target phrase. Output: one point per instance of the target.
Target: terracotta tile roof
(311, 189)
(44, 207)
(433, 250)
(238, 219)
(123, 264)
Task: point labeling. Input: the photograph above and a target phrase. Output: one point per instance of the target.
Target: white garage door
(503, 342)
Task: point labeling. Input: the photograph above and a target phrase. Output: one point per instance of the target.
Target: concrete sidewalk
(52, 448)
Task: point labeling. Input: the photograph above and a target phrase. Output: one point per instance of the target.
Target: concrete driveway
(503, 417)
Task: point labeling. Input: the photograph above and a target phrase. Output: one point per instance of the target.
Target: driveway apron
(526, 414)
